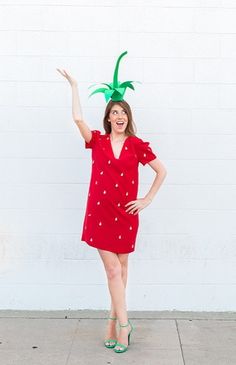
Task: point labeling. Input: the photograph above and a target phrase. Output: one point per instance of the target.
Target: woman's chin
(119, 131)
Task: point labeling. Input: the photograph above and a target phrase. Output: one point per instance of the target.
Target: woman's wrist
(78, 120)
(148, 199)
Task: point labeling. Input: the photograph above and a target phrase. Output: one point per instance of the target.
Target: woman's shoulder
(140, 143)
(135, 139)
(100, 134)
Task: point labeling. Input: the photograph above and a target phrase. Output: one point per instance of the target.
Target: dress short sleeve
(92, 142)
(144, 151)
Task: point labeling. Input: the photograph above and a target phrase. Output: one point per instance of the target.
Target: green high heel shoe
(123, 347)
(110, 343)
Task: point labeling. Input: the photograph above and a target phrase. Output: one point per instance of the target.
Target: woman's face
(118, 119)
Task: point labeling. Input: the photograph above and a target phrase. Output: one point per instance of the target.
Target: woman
(111, 219)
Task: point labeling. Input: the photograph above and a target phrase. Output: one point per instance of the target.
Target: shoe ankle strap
(124, 325)
(112, 318)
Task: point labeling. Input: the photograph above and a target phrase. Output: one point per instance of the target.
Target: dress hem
(105, 249)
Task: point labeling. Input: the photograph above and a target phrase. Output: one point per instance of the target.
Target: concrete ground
(76, 338)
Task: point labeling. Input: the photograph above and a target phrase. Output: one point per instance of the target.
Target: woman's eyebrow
(115, 110)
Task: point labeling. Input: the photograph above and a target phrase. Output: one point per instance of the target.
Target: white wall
(183, 52)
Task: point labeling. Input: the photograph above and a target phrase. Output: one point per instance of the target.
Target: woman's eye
(115, 112)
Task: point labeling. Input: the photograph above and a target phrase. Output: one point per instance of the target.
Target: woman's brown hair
(131, 128)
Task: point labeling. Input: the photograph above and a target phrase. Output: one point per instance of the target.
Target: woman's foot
(111, 333)
(123, 338)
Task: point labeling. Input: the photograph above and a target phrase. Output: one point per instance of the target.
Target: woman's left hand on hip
(135, 206)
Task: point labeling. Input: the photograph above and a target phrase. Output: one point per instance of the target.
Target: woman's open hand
(135, 206)
(71, 80)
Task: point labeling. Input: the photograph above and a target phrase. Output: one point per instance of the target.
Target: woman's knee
(113, 271)
(123, 261)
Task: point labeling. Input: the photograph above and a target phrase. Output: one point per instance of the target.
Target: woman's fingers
(135, 206)
(134, 210)
(65, 73)
(130, 206)
(131, 202)
(129, 210)
(71, 80)
(61, 72)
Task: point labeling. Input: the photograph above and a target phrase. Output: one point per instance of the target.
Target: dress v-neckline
(117, 158)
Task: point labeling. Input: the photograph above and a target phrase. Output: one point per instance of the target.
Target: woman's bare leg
(123, 258)
(123, 333)
(116, 270)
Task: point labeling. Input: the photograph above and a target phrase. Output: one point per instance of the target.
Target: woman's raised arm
(76, 108)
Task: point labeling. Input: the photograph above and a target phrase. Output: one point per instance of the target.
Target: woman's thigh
(110, 259)
(123, 258)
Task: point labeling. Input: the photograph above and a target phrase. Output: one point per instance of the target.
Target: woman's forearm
(160, 176)
(76, 107)
(77, 115)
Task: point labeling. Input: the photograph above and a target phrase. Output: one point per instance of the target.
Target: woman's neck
(117, 136)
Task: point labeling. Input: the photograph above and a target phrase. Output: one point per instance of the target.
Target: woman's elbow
(162, 172)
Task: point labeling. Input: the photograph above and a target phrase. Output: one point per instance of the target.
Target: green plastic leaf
(116, 96)
(115, 90)
(108, 85)
(100, 90)
(108, 94)
(92, 85)
(121, 90)
(115, 76)
(127, 84)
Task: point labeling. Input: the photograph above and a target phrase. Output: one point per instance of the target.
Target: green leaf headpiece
(115, 90)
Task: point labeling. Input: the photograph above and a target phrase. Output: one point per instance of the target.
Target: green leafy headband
(115, 90)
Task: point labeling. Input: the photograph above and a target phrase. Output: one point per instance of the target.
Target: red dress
(114, 183)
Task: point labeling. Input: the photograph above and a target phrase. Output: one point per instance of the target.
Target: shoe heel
(129, 339)
(130, 332)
